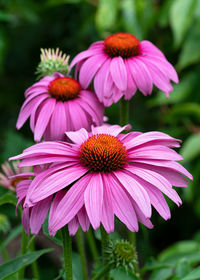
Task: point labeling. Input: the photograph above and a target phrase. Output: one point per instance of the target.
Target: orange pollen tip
(122, 44)
(103, 153)
(64, 88)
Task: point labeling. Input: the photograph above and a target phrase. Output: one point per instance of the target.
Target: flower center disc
(122, 44)
(103, 153)
(64, 88)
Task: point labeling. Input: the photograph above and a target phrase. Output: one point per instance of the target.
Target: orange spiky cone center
(122, 44)
(64, 88)
(103, 153)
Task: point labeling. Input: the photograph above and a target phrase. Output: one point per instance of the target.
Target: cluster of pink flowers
(87, 172)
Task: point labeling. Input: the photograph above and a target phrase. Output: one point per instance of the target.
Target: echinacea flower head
(109, 174)
(52, 61)
(120, 65)
(9, 177)
(57, 104)
(34, 216)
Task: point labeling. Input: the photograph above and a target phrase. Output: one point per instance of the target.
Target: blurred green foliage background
(72, 25)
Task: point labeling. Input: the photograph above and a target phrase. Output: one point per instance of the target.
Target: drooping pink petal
(107, 218)
(140, 75)
(84, 55)
(58, 122)
(154, 152)
(89, 69)
(38, 214)
(56, 181)
(27, 110)
(43, 118)
(131, 86)
(69, 206)
(147, 47)
(83, 219)
(99, 80)
(26, 220)
(156, 180)
(77, 115)
(157, 199)
(93, 198)
(136, 191)
(121, 203)
(73, 226)
(151, 137)
(118, 72)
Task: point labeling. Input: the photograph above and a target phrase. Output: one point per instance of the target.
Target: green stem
(34, 265)
(67, 252)
(23, 251)
(81, 249)
(92, 245)
(124, 112)
(103, 272)
(104, 245)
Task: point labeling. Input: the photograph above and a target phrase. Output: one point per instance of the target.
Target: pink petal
(29, 109)
(154, 152)
(84, 55)
(58, 122)
(89, 69)
(26, 220)
(38, 214)
(107, 218)
(131, 86)
(99, 80)
(83, 219)
(156, 180)
(55, 182)
(136, 191)
(73, 226)
(93, 198)
(121, 203)
(118, 72)
(147, 47)
(43, 118)
(140, 75)
(78, 116)
(113, 130)
(69, 206)
(79, 136)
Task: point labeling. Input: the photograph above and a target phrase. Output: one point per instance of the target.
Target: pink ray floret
(120, 65)
(57, 104)
(103, 174)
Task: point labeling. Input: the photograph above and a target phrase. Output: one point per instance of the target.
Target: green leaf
(186, 246)
(20, 143)
(181, 17)
(16, 264)
(119, 274)
(8, 198)
(193, 275)
(163, 274)
(190, 53)
(182, 268)
(164, 13)
(129, 16)
(191, 147)
(180, 92)
(106, 14)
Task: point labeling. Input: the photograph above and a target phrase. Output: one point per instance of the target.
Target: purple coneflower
(120, 65)
(107, 173)
(57, 104)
